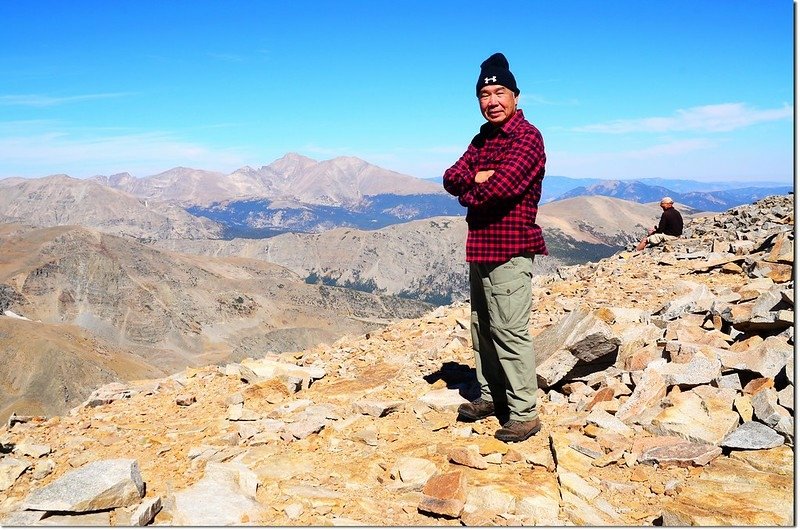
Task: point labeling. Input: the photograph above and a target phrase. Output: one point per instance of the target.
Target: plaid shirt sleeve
(460, 178)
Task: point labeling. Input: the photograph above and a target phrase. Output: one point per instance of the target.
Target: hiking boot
(476, 409)
(517, 431)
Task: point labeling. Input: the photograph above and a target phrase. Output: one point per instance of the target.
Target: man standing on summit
(499, 180)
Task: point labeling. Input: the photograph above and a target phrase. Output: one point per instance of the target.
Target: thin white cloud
(538, 99)
(87, 154)
(39, 100)
(677, 147)
(708, 118)
(666, 149)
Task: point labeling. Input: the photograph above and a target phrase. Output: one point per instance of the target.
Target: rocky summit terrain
(666, 394)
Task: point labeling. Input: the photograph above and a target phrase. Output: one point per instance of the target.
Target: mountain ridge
(716, 200)
(298, 179)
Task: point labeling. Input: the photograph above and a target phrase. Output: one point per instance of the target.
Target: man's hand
(483, 176)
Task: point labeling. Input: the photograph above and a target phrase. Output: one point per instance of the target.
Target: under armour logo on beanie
(494, 71)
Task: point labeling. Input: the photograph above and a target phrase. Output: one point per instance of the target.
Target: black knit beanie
(494, 71)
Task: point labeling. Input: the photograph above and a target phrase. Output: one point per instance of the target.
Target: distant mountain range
(704, 196)
(713, 201)
(298, 194)
(388, 243)
(290, 181)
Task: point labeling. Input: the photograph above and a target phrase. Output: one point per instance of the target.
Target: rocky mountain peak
(246, 170)
(291, 162)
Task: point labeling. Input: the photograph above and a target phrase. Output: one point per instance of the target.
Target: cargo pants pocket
(512, 301)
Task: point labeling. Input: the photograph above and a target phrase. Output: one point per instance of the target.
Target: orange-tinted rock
(732, 493)
(445, 494)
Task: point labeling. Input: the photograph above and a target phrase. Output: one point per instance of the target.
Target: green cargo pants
(500, 296)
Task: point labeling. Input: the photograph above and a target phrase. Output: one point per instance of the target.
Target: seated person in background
(669, 227)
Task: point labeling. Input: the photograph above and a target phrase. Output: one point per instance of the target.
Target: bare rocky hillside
(48, 368)
(419, 258)
(425, 259)
(166, 310)
(666, 395)
(62, 200)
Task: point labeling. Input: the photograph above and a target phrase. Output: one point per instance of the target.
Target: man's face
(666, 205)
(497, 103)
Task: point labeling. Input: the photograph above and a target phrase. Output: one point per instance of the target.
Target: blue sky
(621, 89)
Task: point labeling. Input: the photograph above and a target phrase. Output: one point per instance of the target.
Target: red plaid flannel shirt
(501, 212)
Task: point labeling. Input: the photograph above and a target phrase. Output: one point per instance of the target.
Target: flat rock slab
(542, 506)
(753, 435)
(444, 399)
(646, 396)
(567, 458)
(222, 498)
(730, 492)
(146, 511)
(10, 470)
(467, 456)
(22, 518)
(767, 409)
(583, 513)
(681, 454)
(413, 472)
(695, 417)
(767, 358)
(579, 336)
(697, 298)
(376, 408)
(699, 370)
(79, 520)
(779, 460)
(100, 485)
(490, 499)
(607, 421)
